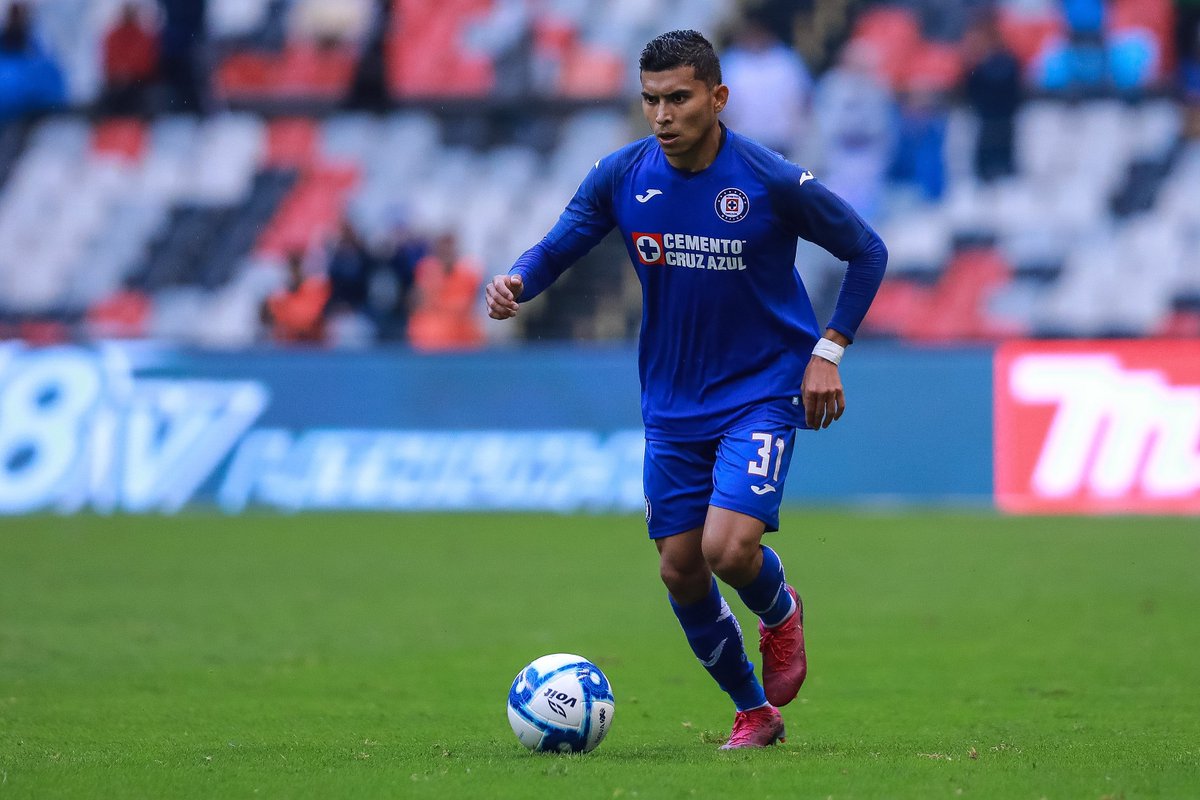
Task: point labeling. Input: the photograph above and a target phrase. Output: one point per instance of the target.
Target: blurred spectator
(349, 269)
(390, 293)
(369, 89)
(769, 88)
(124, 314)
(506, 36)
(1187, 34)
(919, 159)
(1189, 61)
(1134, 56)
(1084, 16)
(181, 49)
(30, 80)
(130, 62)
(332, 23)
(295, 313)
(447, 299)
(854, 114)
(993, 90)
(1091, 64)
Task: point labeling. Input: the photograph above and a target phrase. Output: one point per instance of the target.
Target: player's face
(682, 112)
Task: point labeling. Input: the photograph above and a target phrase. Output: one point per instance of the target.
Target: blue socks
(766, 595)
(716, 638)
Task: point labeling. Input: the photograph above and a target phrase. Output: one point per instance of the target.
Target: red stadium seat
(1027, 35)
(306, 70)
(591, 73)
(425, 56)
(1180, 325)
(957, 307)
(311, 211)
(897, 305)
(244, 75)
(302, 70)
(123, 138)
(894, 34)
(43, 332)
(292, 142)
(934, 66)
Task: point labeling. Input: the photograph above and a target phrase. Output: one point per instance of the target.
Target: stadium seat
(958, 304)
(425, 53)
(894, 33)
(591, 73)
(120, 138)
(310, 213)
(1027, 34)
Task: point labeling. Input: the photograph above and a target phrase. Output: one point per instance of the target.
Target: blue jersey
(727, 326)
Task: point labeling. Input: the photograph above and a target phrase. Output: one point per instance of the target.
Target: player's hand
(821, 392)
(501, 296)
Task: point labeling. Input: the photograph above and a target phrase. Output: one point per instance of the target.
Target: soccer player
(730, 357)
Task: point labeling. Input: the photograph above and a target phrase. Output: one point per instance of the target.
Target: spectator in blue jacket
(30, 80)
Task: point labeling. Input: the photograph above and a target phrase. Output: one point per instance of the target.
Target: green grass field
(951, 655)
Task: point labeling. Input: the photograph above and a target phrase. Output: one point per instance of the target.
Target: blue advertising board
(144, 428)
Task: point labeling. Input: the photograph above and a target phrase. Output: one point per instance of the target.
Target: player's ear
(720, 97)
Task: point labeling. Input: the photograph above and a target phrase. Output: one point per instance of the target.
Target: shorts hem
(771, 525)
(673, 532)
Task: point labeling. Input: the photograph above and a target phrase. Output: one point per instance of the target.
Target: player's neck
(701, 156)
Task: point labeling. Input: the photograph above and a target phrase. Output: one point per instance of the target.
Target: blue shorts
(742, 471)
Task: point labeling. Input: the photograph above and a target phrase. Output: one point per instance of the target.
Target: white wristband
(829, 350)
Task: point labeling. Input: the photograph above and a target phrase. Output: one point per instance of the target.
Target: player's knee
(730, 558)
(685, 580)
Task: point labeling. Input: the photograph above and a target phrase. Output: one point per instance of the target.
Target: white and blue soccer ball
(560, 703)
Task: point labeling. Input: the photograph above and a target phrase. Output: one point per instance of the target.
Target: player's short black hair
(682, 49)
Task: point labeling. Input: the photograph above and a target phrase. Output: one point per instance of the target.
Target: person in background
(446, 288)
(924, 115)
(30, 79)
(182, 42)
(769, 88)
(1188, 38)
(993, 90)
(295, 314)
(130, 62)
(349, 269)
(854, 115)
(390, 293)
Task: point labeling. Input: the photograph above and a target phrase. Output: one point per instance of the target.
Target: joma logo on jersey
(689, 250)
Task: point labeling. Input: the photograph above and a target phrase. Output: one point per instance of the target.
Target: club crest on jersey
(732, 205)
(649, 247)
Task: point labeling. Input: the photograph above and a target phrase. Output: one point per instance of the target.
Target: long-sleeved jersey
(727, 326)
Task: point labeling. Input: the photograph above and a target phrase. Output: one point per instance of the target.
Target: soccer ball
(560, 703)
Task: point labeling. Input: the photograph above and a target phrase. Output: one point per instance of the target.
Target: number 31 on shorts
(772, 450)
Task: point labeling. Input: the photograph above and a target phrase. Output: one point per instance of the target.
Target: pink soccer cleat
(784, 661)
(758, 727)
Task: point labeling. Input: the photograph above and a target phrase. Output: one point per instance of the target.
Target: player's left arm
(821, 217)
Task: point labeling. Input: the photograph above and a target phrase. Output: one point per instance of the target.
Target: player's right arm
(585, 221)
